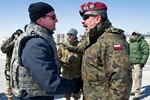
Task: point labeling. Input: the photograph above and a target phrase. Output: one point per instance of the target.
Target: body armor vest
(21, 80)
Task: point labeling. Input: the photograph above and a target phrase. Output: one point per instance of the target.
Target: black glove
(141, 65)
(79, 85)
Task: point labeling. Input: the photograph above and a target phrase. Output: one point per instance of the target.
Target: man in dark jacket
(35, 64)
(139, 52)
(7, 48)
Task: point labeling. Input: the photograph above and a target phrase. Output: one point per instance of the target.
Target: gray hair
(102, 13)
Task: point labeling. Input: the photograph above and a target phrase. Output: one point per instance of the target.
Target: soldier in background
(139, 52)
(106, 70)
(81, 45)
(7, 48)
(71, 62)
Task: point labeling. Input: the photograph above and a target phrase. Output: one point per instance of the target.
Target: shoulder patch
(117, 47)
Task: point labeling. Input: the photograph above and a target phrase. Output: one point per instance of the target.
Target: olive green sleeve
(7, 46)
(81, 46)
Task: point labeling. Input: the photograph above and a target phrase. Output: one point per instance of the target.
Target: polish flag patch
(117, 47)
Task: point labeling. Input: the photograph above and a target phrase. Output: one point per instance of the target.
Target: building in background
(60, 38)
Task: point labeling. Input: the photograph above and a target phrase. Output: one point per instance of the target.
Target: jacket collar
(98, 31)
(37, 28)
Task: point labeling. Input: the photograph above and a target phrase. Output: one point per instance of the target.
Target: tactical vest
(21, 81)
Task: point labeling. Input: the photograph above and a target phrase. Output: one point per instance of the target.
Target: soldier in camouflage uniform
(106, 71)
(71, 62)
(81, 45)
(7, 48)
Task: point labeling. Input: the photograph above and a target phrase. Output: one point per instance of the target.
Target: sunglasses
(86, 16)
(53, 17)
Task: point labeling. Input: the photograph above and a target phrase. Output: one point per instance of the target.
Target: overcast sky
(129, 15)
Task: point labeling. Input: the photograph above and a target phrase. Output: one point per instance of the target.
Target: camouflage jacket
(7, 48)
(71, 62)
(106, 68)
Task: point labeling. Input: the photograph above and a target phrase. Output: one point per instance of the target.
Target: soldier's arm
(118, 70)
(7, 46)
(74, 49)
(81, 46)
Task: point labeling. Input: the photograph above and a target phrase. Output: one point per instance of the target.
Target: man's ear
(38, 21)
(98, 19)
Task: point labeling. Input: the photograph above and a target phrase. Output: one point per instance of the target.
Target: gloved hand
(141, 65)
(79, 85)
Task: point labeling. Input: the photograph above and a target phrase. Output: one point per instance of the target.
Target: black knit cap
(39, 9)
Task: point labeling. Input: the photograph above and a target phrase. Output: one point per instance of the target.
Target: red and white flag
(117, 47)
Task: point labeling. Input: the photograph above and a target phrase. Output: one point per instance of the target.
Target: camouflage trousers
(8, 90)
(137, 78)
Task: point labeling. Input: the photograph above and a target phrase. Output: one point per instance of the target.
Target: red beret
(89, 6)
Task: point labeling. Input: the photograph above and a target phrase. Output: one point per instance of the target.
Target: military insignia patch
(117, 47)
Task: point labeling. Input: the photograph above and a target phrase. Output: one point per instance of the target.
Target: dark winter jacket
(38, 71)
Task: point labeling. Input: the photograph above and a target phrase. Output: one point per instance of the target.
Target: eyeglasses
(51, 16)
(86, 16)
